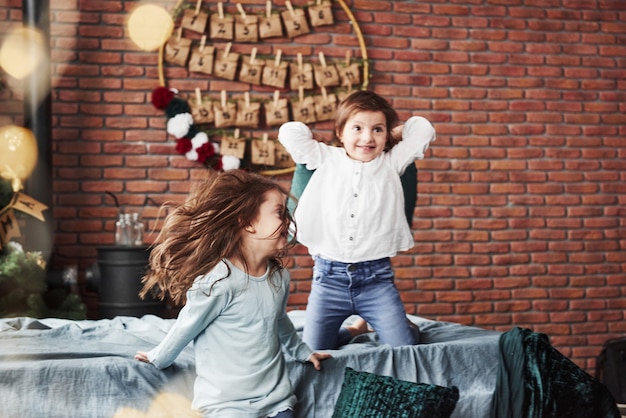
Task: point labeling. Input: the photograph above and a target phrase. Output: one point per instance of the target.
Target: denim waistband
(326, 264)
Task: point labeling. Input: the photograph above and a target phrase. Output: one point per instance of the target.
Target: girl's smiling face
(364, 135)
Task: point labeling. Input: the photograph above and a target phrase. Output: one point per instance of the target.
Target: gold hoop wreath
(363, 59)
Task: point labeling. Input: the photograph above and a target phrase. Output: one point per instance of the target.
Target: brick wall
(520, 217)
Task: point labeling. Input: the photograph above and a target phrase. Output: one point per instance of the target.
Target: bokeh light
(18, 154)
(150, 26)
(22, 51)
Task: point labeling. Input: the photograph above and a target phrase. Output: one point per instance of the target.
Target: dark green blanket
(536, 381)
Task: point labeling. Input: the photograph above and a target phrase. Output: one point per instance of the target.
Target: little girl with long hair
(220, 253)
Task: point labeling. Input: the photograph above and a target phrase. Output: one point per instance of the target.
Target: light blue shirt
(238, 326)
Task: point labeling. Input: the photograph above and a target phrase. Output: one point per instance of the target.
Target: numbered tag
(225, 117)
(350, 75)
(226, 66)
(301, 76)
(326, 76)
(283, 158)
(270, 27)
(295, 22)
(201, 60)
(177, 50)
(325, 107)
(233, 146)
(221, 28)
(248, 117)
(321, 14)
(304, 111)
(251, 73)
(194, 22)
(263, 152)
(247, 30)
(202, 112)
(274, 75)
(276, 115)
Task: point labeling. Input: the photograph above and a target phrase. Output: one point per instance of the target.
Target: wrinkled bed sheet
(62, 368)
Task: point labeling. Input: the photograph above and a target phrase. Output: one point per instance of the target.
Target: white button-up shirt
(351, 211)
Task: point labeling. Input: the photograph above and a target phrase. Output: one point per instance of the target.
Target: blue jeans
(287, 413)
(340, 290)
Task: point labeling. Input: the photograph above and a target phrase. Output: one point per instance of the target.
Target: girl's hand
(142, 356)
(316, 359)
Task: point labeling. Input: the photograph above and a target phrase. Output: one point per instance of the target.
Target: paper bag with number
(282, 158)
(274, 75)
(325, 106)
(295, 22)
(263, 152)
(177, 50)
(248, 116)
(221, 28)
(202, 112)
(270, 26)
(251, 72)
(225, 116)
(321, 14)
(304, 110)
(276, 113)
(201, 60)
(233, 146)
(195, 22)
(350, 75)
(301, 76)
(247, 29)
(226, 64)
(326, 75)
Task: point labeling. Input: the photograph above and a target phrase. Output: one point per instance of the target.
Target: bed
(63, 368)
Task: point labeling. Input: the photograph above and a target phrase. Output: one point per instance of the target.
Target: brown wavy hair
(366, 101)
(206, 229)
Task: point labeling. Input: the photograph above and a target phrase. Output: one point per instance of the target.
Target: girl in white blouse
(351, 217)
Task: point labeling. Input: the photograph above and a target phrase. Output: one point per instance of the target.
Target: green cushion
(367, 395)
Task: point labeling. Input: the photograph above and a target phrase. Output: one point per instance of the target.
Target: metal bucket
(117, 280)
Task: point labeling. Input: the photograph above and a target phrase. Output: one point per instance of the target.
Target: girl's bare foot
(358, 327)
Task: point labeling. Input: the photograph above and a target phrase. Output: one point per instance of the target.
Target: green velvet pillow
(367, 395)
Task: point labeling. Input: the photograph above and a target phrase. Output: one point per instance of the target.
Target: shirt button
(350, 238)
(352, 215)
(356, 195)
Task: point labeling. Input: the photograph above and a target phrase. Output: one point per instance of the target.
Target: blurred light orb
(150, 26)
(18, 153)
(22, 51)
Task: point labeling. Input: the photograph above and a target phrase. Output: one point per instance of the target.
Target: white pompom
(192, 155)
(178, 125)
(230, 162)
(200, 139)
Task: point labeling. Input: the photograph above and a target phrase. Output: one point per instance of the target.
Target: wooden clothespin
(324, 95)
(246, 99)
(265, 138)
(348, 56)
(227, 49)
(253, 56)
(244, 17)
(290, 8)
(322, 59)
(276, 98)
(268, 9)
(179, 34)
(220, 10)
(236, 133)
(279, 53)
(300, 65)
(223, 99)
(198, 4)
(198, 97)
(202, 43)
(301, 93)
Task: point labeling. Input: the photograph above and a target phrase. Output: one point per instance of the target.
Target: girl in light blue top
(220, 253)
(351, 217)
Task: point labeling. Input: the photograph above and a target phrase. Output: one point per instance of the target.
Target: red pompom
(205, 151)
(183, 145)
(161, 97)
